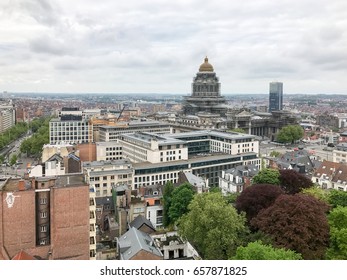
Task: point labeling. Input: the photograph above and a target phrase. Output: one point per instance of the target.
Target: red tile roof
(22, 255)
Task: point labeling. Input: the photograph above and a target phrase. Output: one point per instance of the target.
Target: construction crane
(120, 114)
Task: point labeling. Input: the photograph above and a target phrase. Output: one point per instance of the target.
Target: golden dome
(206, 67)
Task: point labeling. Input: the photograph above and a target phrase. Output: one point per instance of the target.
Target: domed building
(205, 97)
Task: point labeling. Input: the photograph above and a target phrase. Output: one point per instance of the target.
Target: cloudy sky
(156, 46)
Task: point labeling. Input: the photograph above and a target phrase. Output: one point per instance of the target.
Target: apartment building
(103, 175)
(47, 217)
(7, 115)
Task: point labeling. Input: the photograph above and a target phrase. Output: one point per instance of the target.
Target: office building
(276, 96)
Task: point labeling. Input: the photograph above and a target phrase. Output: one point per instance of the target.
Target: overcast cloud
(157, 46)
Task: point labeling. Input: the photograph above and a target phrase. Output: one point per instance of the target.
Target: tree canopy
(213, 226)
(259, 251)
(293, 182)
(296, 222)
(338, 233)
(267, 176)
(290, 134)
(33, 145)
(318, 193)
(257, 197)
(337, 198)
(180, 199)
(168, 189)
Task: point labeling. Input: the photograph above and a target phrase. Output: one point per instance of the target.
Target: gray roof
(139, 221)
(225, 135)
(105, 200)
(147, 137)
(193, 179)
(295, 158)
(238, 170)
(133, 241)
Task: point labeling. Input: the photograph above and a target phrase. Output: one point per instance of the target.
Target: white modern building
(152, 148)
(70, 129)
(112, 133)
(108, 151)
(103, 175)
(7, 115)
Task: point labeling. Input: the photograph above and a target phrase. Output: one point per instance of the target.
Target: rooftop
(70, 180)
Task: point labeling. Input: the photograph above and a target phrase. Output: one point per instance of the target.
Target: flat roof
(148, 137)
(70, 180)
(227, 135)
(102, 163)
(191, 159)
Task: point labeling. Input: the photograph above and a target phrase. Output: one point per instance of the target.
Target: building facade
(47, 217)
(7, 115)
(276, 96)
(206, 94)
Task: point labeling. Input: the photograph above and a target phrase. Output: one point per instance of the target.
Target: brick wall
(70, 223)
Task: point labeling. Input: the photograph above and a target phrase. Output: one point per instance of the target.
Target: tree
(257, 197)
(318, 193)
(267, 176)
(213, 226)
(180, 199)
(338, 233)
(13, 159)
(259, 251)
(168, 189)
(296, 222)
(275, 154)
(290, 134)
(338, 198)
(293, 182)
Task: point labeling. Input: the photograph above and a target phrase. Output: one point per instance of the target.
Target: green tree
(318, 193)
(13, 159)
(338, 234)
(259, 251)
(2, 159)
(290, 134)
(267, 176)
(337, 198)
(33, 145)
(180, 199)
(212, 226)
(275, 154)
(167, 193)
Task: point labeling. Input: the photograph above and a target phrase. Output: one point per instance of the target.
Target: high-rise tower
(276, 96)
(205, 95)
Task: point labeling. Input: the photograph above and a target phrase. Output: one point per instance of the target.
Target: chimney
(21, 185)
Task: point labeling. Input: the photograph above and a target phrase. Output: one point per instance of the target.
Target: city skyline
(155, 47)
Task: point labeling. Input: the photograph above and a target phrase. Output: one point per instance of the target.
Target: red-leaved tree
(257, 197)
(293, 182)
(296, 222)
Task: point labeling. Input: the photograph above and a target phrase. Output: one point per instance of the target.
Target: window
(43, 201)
(43, 228)
(43, 215)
